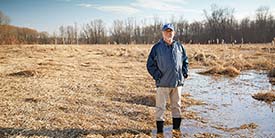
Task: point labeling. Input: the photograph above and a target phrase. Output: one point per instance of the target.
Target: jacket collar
(163, 42)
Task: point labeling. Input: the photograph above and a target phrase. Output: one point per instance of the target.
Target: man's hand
(185, 76)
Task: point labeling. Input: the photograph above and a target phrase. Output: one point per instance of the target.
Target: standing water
(230, 110)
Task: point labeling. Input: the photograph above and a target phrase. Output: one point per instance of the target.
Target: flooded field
(229, 110)
(105, 91)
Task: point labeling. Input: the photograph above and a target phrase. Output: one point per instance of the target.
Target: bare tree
(43, 38)
(219, 26)
(220, 23)
(196, 32)
(245, 30)
(129, 30)
(76, 33)
(182, 30)
(70, 34)
(62, 34)
(4, 20)
(262, 15)
(117, 31)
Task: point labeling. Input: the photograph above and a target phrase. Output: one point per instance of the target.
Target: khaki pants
(175, 99)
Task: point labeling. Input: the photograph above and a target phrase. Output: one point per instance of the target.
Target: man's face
(168, 34)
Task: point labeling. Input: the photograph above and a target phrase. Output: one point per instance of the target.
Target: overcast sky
(48, 15)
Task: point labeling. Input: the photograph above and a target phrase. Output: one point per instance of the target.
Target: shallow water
(229, 104)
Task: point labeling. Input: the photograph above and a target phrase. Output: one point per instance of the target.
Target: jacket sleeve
(185, 62)
(152, 65)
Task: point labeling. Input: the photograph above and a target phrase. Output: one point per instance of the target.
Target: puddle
(229, 106)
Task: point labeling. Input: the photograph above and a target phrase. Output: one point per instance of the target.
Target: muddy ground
(102, 90)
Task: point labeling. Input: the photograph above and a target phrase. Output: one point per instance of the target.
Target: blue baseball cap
(168, 26)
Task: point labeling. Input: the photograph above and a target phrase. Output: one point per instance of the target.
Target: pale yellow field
(98, 90)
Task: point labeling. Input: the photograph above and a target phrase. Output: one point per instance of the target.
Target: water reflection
(229, 106)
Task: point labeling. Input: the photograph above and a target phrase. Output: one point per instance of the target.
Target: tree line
(219, 26)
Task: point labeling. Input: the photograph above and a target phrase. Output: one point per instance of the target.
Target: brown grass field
(100, 90)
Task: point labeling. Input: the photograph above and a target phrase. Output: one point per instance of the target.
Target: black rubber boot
(176, 123)
(160, 126)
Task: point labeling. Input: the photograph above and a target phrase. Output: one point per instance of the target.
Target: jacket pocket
(163, 64)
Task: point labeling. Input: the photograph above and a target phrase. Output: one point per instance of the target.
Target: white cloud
(65, 0)
(244, 14)
(251, 14)
(166, 7)
(118, 9)
(272, 11)
(162, 5)
(113, 8)
(86, 5)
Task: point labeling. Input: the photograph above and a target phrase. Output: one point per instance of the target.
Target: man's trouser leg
(161, 98)
(175, 99)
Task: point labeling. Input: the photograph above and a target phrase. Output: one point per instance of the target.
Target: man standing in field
(168, 64)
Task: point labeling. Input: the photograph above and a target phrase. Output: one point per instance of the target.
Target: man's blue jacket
(168, 64)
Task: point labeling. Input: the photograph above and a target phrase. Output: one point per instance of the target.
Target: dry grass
(257, 56)
(206, 135)
(96, 91)
(249, 126)
(77, 91)
(271, 76)
(24, 73)
(220, 70)
(265, 96)
(243, 126)
(271, 73)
